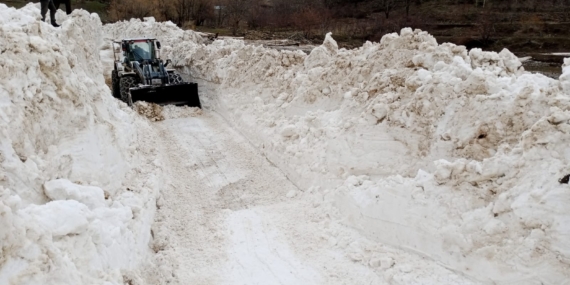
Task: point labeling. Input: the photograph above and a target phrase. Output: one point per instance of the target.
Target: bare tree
(165, 9)
(236, 11)
(183, 10)
(203, 10)
(407, 4)
(119, 10)
(259, 14)
(486, 26)
(480, 1)
(387, 6)
(311, 20)
(282, 13)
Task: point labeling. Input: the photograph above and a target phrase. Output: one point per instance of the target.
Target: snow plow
(140, 75)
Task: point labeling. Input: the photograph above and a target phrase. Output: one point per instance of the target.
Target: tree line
(307, 15)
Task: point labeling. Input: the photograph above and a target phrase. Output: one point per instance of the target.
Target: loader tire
(116, 90)
(175, 78)
(125, 84)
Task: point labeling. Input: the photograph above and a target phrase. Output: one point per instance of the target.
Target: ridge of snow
(78, 181)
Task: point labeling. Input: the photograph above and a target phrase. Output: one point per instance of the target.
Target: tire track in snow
(216, 177)
(188, 208)
(231, 223)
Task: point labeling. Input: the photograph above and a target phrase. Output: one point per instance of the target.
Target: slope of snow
(407, 104)
(78, 170)
(451, 154)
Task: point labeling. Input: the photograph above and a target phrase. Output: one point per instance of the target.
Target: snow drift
(78, 173)
(449, 153)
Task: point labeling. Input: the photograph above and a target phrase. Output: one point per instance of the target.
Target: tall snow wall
(452, 154)
(79, 175)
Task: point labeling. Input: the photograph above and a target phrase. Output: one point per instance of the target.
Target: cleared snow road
(230, 218)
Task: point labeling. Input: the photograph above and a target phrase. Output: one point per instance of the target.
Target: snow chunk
(494, 227)
(558, 116)
(289, 131)
(63, 189)
(510, 61)
(321, 55)
(565, 76)
(380, 111)
(330, 44)
(60, 217)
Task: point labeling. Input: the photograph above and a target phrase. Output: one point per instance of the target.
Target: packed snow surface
(400, 162)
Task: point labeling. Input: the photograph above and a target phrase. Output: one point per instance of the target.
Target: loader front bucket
(172, 94)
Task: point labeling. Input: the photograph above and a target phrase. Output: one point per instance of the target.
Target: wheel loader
(140, 75)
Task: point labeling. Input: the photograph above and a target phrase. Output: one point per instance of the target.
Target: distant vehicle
(142, 76)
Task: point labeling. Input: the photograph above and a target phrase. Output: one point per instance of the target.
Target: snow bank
(78, 172)
(449, 153)
(166, 31)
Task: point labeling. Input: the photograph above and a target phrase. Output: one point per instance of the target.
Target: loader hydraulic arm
(139, 71)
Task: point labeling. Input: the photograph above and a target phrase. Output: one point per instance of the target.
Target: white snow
(261, 257)
(400, 162)
(62, 189)
(76, 190)
(453, 155)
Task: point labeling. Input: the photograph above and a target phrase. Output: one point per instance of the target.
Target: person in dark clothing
(45, 4)
(67, 5)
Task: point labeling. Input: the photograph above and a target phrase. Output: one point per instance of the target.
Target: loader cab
(138, 50)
